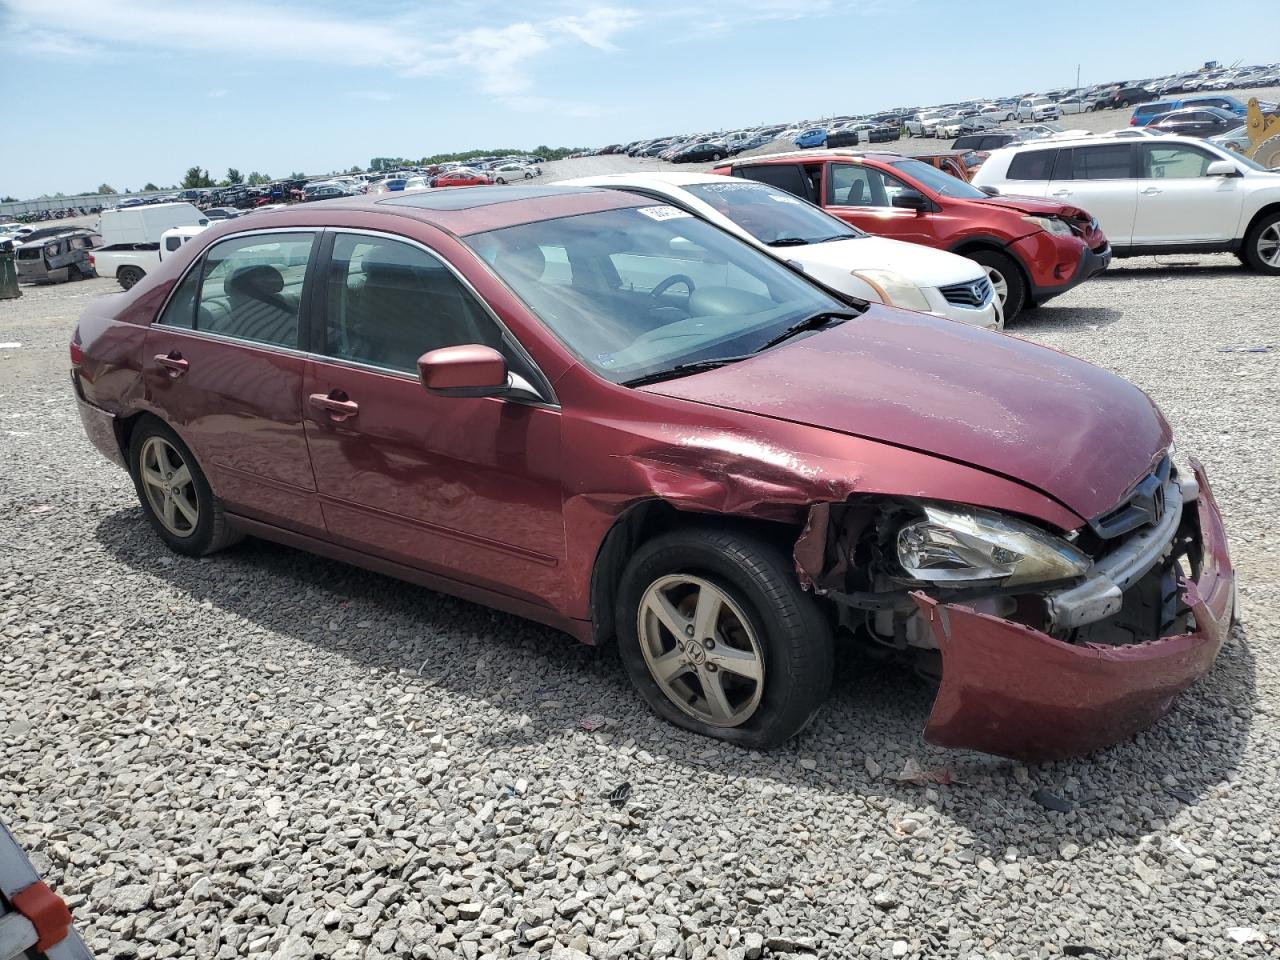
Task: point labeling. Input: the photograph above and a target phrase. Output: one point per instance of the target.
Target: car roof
(466, 210)
(830, 154)
(642, 178)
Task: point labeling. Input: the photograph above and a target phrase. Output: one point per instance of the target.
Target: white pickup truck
(925, 123)
(131, 238)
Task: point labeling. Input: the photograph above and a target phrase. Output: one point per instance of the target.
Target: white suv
(1033, 109)
(1153, 195)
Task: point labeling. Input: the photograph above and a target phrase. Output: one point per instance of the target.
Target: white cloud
(597, 27)
(501, 57)
(216, 93)
(410, 44)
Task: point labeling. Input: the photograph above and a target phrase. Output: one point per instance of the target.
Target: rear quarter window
(784, 176)
(1032, 165)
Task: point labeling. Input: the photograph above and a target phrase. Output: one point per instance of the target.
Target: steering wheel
(670, 282)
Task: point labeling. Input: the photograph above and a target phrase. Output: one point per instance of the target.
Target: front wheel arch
(640, 523)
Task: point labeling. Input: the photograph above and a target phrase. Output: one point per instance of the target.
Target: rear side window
(1111, 162)
(1032, 165)
(785, 176)
(1151, 109)
(968, 143)
(251, 287)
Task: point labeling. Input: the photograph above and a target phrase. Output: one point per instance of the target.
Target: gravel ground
(269, 754)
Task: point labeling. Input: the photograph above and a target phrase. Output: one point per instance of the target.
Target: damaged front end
(1043, 647)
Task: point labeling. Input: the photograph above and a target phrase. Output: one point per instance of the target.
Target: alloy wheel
(1000, 284)
(1269, 245)
(170, 491)
(701, 650)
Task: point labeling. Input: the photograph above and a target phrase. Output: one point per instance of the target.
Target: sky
(129, 91)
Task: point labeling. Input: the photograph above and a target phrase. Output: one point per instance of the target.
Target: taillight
(77, 354)
(1133, 121)
(92, 262)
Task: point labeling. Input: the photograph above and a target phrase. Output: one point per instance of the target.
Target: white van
(131, 238)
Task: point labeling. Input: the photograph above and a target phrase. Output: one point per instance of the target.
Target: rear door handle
(1151, 191)
(1062, 193)
(173, 362)
(336, 404)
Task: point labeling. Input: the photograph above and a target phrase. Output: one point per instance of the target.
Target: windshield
(940, 183)
(771, 215)
(638, 291)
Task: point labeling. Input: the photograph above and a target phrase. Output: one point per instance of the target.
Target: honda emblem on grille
(1157, 505)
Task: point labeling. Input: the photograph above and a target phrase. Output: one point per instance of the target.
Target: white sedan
(831, 251)
(511, 172)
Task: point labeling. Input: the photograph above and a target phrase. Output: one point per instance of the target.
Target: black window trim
(319, 302)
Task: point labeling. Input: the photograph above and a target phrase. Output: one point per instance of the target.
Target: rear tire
(1262, 245)
(759, 621)
(174, 493)
(1006, 276)
(128, 276)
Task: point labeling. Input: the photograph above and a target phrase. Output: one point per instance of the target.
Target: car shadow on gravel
(865, 747)
(1064, 318)
(1173, 266)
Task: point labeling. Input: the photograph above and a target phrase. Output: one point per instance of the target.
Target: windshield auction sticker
(663, 213)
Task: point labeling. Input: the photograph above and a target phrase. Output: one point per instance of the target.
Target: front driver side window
(389, 302)
(853, 185)
(1175, 160)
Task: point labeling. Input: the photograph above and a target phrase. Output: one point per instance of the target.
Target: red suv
(604, 413)
(1033, 249)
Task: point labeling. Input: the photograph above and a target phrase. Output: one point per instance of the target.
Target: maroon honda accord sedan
(607, 415)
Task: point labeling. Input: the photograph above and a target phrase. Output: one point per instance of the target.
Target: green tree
(256, 178)
(233, 176)
(151, 186)
(107, 188)
(9, 199)
(355, 169)
(297, 175)
(195, 177)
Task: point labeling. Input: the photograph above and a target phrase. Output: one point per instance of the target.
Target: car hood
(924, 266)
(1066, 428)
(1035, 206)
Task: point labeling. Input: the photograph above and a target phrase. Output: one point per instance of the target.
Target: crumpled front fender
(1010, 690)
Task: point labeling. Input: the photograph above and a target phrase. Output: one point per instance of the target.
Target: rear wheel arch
(1266, 213)
(642, 522)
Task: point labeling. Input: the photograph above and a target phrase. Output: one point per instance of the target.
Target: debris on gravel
(269, 754)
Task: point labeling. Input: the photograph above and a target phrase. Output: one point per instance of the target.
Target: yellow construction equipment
(1264, 135)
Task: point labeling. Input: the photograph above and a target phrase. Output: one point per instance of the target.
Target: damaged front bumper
(1011, 690)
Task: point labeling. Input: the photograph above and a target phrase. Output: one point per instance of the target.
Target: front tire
(128, 276)
(719, 638)
(1262, 245)
(175, 495)
(1006, 276)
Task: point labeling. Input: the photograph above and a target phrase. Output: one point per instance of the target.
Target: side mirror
(467, 370)
(990, 191)
(1222, 168)
(911, 200)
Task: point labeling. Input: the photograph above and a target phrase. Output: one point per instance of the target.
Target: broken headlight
(955, 545)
